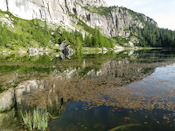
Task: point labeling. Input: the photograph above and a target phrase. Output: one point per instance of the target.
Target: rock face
(118, 21)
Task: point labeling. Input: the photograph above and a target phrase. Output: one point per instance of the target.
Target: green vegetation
(36, 121)
(121, 40)
(98, 40)
(104, 10)
(75, 39)
(153, 36)
(86, 27)
(33, 33)
(124, 127)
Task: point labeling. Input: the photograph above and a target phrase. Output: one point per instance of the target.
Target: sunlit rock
(7, 100)
(7, 22)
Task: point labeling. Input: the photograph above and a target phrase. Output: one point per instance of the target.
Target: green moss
(104, 11)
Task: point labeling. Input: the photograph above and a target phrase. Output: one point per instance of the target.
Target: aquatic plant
(36, 121)
(124, 126)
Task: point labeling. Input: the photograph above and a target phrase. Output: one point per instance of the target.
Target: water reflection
(95, 92)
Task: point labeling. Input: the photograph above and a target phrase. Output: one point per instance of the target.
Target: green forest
(96, 39)
(153, 36)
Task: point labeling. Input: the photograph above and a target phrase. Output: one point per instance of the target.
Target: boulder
(7, 100)
(33, 51)
(68, 51)
(63, 44)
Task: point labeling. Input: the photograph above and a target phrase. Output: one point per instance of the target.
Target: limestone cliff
(115, 21)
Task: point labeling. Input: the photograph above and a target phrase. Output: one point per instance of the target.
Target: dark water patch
(104, 118)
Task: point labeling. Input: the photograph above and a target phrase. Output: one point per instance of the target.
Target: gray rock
(7, 100)
(63, 44)
(33, 51)
(62, 55)
(68, 51)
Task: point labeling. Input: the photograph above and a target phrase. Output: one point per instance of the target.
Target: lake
(130, 90)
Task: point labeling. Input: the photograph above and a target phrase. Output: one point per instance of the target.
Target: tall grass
(38, 120)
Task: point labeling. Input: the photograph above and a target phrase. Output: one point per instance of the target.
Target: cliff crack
(7, 5)
(66, 6)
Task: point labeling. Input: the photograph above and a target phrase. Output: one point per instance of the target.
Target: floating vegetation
(36, 121)
(124, 126)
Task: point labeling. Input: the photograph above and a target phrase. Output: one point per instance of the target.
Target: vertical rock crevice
(67, 6)
(7, 5)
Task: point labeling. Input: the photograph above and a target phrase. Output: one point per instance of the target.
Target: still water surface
(95, 92)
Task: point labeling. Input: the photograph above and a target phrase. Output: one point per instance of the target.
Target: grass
(25, 33)
(36, 121)
(90, 50)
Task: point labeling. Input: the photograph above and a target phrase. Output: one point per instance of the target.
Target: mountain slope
(118, 22)
(112, 22)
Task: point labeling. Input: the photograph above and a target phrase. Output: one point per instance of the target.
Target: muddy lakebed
(128, 91)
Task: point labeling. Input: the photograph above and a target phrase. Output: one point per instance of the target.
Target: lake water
(128, 90)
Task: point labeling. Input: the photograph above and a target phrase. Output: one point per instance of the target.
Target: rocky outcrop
(118, 21)
(67, 51)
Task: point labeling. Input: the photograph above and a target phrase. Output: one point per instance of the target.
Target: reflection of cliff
(113, 73)
(54, 93)
(86, 80)
(122, 72)
(92, 87)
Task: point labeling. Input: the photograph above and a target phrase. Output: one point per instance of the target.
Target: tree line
(76, 39)
(153, 36)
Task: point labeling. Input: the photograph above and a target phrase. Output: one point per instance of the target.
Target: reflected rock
(27, 87)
